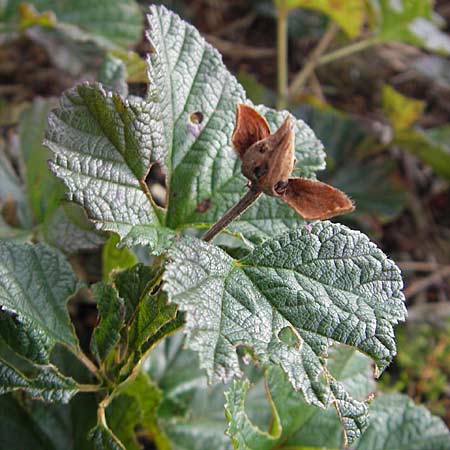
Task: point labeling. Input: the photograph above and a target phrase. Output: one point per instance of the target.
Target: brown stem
(233, 213)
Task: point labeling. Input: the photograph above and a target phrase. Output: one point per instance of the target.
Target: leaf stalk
(233, 213)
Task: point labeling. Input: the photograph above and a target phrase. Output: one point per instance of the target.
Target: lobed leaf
(134, 410)
(48, 385)
(110, 23)
(412, 22)
(104, 439)
(103, 148)
(320, 284)
(146, 312)
(187, 76)
(111, 310)
(293, 423)
(191, 413)
(348, 14)
(397, 423)
(35, 284)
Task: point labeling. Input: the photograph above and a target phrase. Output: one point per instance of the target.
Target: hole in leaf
(156, 182)
(288, 337)
(204, 205)
(197, 117)
(194, 124)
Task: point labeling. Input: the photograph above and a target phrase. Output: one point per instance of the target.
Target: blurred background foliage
(371, 77)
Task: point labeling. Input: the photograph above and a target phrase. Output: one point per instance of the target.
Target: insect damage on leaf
(268, 161)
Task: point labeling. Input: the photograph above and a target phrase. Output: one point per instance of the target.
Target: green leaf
(430, 146)
(348, 14)
(18, 430)
(135, 409)
(103, 147)
(321, 283)
(43, 189)
(353, 414)
(69, 230)
(397, 424)
(153, 312)
(104, 439)
(191, 413)
(23, 340)
(109, 23)
(204, 177)
(402, 111)
(114, 258)
(29, 424)
(187, 75)
(412, 22)
(133, 283)
(111, 310)
(113, 75)
(136, 67)
(12, 194)
(48, 385)
(243, 433)
(298, 425)
(146, 312)
(35, 284)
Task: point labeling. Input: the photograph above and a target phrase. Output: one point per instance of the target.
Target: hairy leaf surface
(35, 284)
(111, 311)
(103, 147)
(48, 385)
(188, 76)
(301, 425)
(398, 424)
(321, 283)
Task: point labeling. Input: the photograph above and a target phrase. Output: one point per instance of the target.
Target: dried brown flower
(268, 161)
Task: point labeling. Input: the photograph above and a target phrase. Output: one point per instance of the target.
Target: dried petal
(269, 162)
(250, 127)
(315, 200)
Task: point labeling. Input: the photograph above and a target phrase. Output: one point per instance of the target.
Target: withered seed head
(268, 161)
(268, 158)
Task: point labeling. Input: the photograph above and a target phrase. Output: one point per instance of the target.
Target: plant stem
(89, 387)
(347, 50)
(282, 57)
(89, 364)
(234, 212)
(101, 416)
(302, 76)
